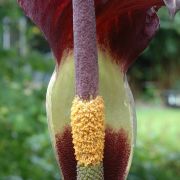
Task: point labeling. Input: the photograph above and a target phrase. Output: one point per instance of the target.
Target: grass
(157, 154)
(159, 124)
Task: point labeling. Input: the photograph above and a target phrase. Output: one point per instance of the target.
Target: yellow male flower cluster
(88, 130)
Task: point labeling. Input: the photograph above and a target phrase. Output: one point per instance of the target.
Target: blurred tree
(9, 8)
(160, 63)
(25, 149)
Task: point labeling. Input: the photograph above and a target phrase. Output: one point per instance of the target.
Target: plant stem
(85, 49)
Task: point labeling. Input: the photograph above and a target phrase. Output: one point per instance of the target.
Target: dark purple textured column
(85, 49)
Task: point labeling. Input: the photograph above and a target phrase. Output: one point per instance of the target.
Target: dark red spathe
(116, 154)
(124, 27)
(65, 152)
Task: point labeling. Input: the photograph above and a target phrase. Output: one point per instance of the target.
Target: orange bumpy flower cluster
(88, 130)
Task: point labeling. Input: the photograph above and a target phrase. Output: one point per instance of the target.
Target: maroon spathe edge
(85, 49)
(114, 17)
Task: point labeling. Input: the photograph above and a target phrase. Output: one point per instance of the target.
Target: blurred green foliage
(9, 8)
(160, 62)
(25, 148)
(156, 154)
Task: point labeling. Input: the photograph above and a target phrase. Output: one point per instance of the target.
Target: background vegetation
(25, 148)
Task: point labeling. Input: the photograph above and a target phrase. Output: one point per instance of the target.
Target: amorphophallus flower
(89, 104)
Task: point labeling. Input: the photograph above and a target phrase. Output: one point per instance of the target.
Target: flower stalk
(90, 108)
(85, 49)
(87, 112)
